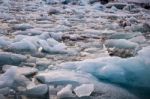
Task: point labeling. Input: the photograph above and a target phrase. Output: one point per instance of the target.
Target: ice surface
(84, 90)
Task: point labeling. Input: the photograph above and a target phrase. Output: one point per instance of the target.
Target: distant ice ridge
(136, 1)
(132, 71)
(83, 2)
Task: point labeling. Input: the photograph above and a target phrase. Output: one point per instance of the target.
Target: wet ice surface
(70, 49)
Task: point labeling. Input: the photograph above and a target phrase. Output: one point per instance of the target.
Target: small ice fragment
(84, 90)
(65, 92)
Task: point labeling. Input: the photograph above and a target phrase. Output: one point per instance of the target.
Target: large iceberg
(132, 71)
(79, 81)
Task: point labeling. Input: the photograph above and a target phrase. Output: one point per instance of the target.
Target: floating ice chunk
(44, 36)
(2, 96)
(52, 1)
(117, 72)
(7, 79)
(27, 71)
(31, 85)
(6, 16)
(11, 59)
(84, 90)
(52, 42)
(56, 36)
(4, 91)
(22, 46)
(23, 26)
(113, 8)
(121, 43)
(37, 43)
(65, 92)
(59, 47)
(98, 6)
(144, 55)
(4, 42)
(124, 35)
(38, 90)
(129, 7)
(138, 39)
(60, 28)
(132, 19)
(19, 38)
(145, 27)
(113, 26)
(22, 82)
(117, 5)
(32, 39)
(60, 77)
(31, 32)
(44, 45)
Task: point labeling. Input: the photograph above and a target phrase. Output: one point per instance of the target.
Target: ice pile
(33, 44)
